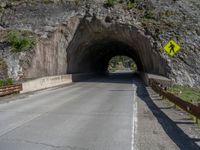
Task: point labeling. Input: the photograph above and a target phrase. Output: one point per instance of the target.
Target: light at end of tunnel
(122, 64)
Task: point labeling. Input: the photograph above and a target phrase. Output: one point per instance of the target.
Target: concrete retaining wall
(144, 77)
(161, 79)
(52, 81)
(45, 82)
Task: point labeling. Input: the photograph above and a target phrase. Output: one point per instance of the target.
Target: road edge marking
(134, 121)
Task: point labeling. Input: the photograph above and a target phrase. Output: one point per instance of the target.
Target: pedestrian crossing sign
(172, 47)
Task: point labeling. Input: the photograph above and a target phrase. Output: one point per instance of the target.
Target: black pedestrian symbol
(172, 46)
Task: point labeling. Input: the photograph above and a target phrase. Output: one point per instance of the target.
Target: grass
(186, 93)
(20, 41)
(6, 82)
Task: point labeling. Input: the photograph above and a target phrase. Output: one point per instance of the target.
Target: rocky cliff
(54, 24)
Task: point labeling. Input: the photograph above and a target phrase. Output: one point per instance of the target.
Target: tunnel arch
(97, 56)
(96, 42)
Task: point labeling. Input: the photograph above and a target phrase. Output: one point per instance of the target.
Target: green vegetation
(168, 13)
(110, 3)
(130, 4)
(48, 1)
(20, 41)
(149, 14)
(3, 64)
(121, 63)
(186, 93)
(6, 82)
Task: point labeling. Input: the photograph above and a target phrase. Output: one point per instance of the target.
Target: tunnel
(97, 56)
(96, 42)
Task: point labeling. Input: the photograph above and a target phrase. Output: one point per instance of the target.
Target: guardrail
(11, 89)
(186, 106)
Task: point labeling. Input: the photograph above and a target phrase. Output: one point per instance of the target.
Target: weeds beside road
(186, 93)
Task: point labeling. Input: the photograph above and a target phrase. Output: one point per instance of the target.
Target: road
(98, 114)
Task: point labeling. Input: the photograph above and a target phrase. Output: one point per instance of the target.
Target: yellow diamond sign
(172, 47)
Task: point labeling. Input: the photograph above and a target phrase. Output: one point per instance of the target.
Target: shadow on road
(182, 140)
(123, 78)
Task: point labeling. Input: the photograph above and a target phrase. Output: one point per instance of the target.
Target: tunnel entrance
(96, 42)
(97, 56)
(122, 64)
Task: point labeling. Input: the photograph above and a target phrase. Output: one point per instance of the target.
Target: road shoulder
(160, 126)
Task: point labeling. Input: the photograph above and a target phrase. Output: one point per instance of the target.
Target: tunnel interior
(97, 56)
(96, 42)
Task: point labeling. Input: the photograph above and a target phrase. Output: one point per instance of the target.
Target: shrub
(20, 42)
(130, 4)
(6, 82)
(9, 81)
(110, 3)
(2, 83)
(149, 15)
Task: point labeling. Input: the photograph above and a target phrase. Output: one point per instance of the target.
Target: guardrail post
(160, 88)
(165, 89)
(198, 120)
(175, 106)
(193, 117)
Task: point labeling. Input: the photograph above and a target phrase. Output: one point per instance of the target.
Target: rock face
(97, 41)
(81, 36)
(49, 56)
(3, 68)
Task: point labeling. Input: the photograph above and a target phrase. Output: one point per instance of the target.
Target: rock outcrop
(58, 24)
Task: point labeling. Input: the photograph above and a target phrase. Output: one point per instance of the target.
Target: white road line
(134, 122)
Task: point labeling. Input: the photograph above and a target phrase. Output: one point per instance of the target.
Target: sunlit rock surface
(81, 36)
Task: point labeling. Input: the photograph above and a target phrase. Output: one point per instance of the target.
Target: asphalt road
(99, 114)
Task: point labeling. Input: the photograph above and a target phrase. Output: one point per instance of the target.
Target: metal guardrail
(186, 106)
(11, 89)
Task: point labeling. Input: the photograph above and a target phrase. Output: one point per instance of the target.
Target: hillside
(46, 20)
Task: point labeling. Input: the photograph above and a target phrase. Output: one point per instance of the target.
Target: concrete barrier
(45, 82)
(161, 79)
(52, 81)
(144, 77)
